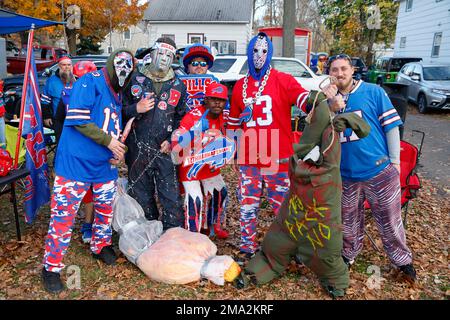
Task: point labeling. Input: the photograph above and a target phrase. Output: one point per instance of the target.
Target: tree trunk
(369, 54)
(289, 28)
(72, 41)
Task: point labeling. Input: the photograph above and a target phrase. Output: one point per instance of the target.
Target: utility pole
(289, 22)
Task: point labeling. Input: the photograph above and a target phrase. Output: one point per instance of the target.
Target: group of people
(141, 117)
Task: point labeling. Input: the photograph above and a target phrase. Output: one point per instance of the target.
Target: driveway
(435, 158)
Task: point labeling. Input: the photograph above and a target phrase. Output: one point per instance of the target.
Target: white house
(225, 25)
(423, 30)
(133, 38)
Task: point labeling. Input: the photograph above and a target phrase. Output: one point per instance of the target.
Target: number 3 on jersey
(111, 116)
(348, 135)
(266, 102)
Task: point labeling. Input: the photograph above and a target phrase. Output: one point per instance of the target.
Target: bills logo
(140, 79)
(214, 154)
(217, 90)
(195, 88)
(136, 90)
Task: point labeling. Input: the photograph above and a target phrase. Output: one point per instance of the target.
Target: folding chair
(11, 140)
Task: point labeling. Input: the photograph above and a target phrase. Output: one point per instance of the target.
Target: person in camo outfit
(308, 224)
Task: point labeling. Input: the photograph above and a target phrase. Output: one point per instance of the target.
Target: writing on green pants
(307, 221)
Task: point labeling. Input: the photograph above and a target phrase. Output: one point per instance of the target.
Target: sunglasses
(339, 56)
(197, 63)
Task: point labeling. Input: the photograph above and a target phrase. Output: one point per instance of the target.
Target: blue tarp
(11, 22)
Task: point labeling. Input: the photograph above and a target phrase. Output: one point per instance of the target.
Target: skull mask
(162, 57)
(123, 64)
(260, 52)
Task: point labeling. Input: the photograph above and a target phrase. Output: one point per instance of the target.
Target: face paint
(260, 52)
(123, 64)
(162, 57)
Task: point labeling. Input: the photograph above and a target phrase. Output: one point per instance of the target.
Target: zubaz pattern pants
(383, 194)
(66, 199)
(198, 214)
(251, 189)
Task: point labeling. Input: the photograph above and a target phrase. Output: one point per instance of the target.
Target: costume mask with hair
(123, 64)
(259, 55)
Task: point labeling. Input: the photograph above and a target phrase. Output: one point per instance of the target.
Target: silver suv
(428, 85)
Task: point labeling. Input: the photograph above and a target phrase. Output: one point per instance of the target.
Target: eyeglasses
(201, 63)
(339, 56)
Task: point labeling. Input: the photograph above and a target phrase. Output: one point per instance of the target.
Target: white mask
(260, 51)
(123, 64)
(162, 57)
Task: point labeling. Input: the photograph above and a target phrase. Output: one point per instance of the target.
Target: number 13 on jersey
(266, 110)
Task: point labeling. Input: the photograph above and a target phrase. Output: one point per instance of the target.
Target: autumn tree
(98, 17)
(348, 20)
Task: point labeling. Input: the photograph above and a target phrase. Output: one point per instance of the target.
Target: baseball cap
(216, 90)
(197, 50)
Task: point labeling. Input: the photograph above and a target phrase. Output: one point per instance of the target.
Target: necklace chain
(260, 89)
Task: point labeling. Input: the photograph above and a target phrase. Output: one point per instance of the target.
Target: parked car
(360, 68)
(45, 56)
(13, 84)
(386, 69)
(428, 85)
(230, 68)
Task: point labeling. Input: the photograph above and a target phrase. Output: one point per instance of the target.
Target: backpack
(6, 162)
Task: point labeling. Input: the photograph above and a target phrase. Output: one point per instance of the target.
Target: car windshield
(222, 65)
(397, 64)
(357, 63)
(436, 73)
(294, 68)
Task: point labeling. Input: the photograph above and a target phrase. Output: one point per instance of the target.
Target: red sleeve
(295, 93)
(237, 105)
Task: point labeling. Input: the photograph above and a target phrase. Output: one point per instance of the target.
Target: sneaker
(348, 262)
(298, 260)
(52, 281)
(107, 255)
(409, 272)
(243, 280)
(86, 232)
(220, 233)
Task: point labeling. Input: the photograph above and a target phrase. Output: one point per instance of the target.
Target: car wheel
(379, 82)
(422, 103)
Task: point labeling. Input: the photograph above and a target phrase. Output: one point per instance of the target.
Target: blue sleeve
(81, 102)
(46, 99)
(387, 114)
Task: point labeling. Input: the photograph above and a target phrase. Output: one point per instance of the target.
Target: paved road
(435, 159)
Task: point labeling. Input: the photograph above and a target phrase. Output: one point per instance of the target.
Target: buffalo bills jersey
(364, 158)
(267, 136)
(188, 121)
(79, 158)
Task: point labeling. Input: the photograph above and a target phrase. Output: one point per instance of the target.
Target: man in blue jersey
(51, 94)
(88, 151)
(370, 167)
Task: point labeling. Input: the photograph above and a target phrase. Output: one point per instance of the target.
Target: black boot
(52, 281)
(107, 255)
(409, 272)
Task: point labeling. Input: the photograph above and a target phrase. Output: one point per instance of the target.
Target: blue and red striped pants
(66, 199)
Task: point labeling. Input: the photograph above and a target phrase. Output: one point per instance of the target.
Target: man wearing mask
(51, 95)
(88, 151)
(155, 99)
(261, 107)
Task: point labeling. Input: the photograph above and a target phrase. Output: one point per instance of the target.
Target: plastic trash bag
(215, 268)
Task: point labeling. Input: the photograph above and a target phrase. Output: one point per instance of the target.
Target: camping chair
(11, 140)
(409, 180)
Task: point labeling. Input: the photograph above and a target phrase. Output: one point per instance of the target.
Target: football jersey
(364, 158)
(79, 158)
(188, 121)
(267, 137)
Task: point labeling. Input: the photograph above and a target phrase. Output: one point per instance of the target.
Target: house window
(170, 36)
(224, 47)
(196, 38)
(409, 4)
(127, 34)
(110, 49)
(403, 42)
(436, 45)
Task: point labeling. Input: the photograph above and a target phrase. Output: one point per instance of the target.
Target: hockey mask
(162, 56)
(123, 64)
(260, 51)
